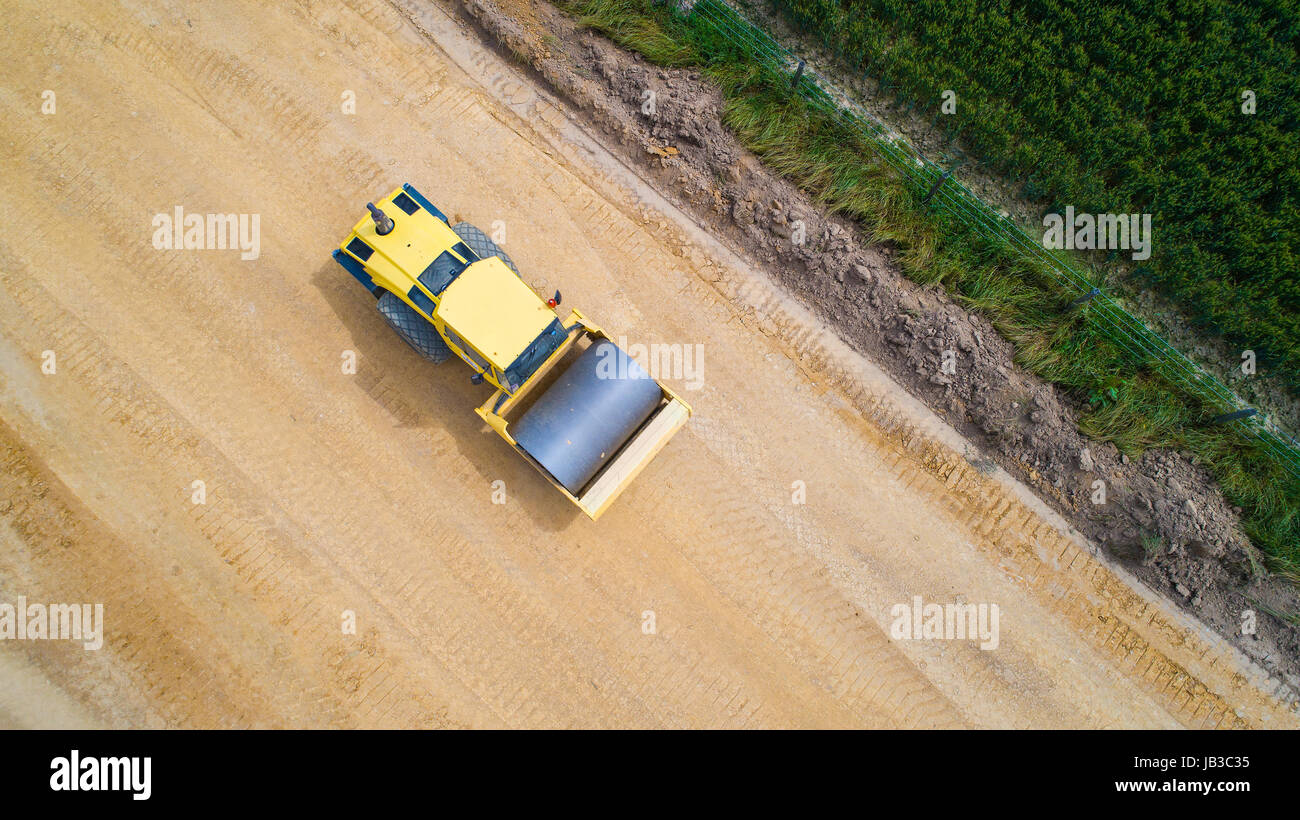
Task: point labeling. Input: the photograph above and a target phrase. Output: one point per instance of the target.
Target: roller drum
(590, 411)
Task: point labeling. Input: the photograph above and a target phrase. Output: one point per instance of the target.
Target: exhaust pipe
(383, 223)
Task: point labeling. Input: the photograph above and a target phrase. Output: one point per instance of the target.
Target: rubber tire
(413, 328)
(481, 245)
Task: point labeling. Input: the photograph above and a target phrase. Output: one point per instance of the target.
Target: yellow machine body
(489, 317)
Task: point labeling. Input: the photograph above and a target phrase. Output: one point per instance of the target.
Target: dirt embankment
(1162, 516)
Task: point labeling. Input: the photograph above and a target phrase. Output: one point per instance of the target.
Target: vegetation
(1115, 106)
(1129, 401)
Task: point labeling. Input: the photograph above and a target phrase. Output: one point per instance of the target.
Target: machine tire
(413, 328)
(481, 245)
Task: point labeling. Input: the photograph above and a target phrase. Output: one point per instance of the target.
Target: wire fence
(948, 194)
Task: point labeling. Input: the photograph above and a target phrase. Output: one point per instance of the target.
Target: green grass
(1128, 402)
(1120, 106)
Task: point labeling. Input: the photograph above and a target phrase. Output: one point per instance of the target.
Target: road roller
(566, 397)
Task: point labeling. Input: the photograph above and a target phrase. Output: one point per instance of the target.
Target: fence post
(1087, 297)
(798, 73)
(1239, 414)
(934, 188)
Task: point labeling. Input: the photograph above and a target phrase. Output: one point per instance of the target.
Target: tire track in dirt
(239, 534)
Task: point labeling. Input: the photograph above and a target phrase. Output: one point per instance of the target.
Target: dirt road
(707, 596)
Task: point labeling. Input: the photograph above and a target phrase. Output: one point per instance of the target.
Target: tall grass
(1120, 106)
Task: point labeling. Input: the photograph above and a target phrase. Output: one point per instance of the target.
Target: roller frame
(624, 466)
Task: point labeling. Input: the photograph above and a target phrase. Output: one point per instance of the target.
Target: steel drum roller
(587, 414)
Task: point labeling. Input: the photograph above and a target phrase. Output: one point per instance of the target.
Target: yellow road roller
(567, 399)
